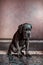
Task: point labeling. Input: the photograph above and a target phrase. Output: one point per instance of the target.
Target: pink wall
(15, 12)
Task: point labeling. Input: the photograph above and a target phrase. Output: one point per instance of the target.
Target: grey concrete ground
(14, 60)
(36, 47)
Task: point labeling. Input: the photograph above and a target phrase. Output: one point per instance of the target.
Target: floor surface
(14, 60)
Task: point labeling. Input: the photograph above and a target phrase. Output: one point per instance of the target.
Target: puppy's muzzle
(26, 35)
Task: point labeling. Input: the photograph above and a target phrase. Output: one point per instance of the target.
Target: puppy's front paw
(19, 54)
(28, 55)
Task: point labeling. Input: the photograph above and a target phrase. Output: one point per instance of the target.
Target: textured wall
(15, 12)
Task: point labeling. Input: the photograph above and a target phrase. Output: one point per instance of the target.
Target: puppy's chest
(21, 42)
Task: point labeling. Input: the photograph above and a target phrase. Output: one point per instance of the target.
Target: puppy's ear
(20, 28)
(31, 26)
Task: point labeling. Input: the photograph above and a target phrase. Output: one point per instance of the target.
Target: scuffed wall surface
(15, 12)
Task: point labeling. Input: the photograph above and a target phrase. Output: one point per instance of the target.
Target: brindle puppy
(21, 39)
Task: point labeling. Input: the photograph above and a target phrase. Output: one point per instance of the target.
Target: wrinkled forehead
(27, 26)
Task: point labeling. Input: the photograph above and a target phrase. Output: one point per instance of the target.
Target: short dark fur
(18, 39)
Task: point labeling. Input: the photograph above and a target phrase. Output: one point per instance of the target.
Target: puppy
(21, 39)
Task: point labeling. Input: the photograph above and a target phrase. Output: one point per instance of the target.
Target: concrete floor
(35, 59)
(14, 60)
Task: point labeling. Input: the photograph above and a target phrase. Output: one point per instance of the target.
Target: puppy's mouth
(26, 36)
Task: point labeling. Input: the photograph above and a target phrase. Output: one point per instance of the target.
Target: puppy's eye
(27, 29)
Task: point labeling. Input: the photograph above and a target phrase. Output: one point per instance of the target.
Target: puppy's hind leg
(9, 50)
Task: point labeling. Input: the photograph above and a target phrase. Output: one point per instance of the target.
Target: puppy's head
(25, 30)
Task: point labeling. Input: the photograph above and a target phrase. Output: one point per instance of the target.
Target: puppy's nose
(28, 35)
